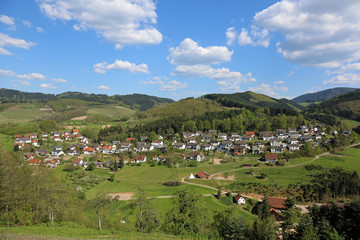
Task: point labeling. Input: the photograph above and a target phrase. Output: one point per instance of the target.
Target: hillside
(322, 95)
(346, 105)
(69, 105)
(252, 100)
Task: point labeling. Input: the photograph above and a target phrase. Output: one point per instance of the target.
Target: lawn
(111, 111)
(20, 113)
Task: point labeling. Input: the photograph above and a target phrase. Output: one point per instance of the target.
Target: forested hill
(253, 100)
(135, 101)
(322, 95)
(346, 105)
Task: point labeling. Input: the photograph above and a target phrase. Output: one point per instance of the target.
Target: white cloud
(278, 82)
(244, 37)
(256, 37)
(193, 71)
(318, 33)
(173, 85)
(6, 41)
(190, 53)
(8, 21)
(230, 35)
(47, 86)
(347, 78)
(39, 29)
(6, 73)
(122, 22)
(154, 81)
(59, 80)
(349, 67)
(32, 76)
(104, 88)
(120, 65)
(269, 90)
(25, 83)
(27, 23)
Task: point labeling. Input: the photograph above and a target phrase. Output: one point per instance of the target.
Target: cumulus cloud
(120, 65)
(230, 35)
(39, 29)
(8, 21)
(269, 90)
(59, 80)
(32, 76)
(104, 88)
(346, 78)
(27, 23)
(6, 73)
(25, 83)
(122, 22)
(256, 37)
(154, 81)
(7, 41)
(173, 86)
(318, 33)
(190, 53)
(278, 82)
(47, 86)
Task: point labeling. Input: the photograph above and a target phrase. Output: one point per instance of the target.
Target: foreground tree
(146, 216)
(100, 204)
(230, 226)
(187, 215)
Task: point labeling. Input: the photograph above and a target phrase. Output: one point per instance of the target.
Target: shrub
(172, 184)
(69, 168)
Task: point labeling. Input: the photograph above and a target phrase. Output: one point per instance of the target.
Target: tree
(146, 216)
(218, 195)
(99, 204)
(187, 216)
(229, 225)
(90, 167)
(152, 136)
(48, 125)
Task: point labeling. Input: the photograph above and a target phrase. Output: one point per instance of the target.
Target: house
(57, 139)
(42, 152)
(275, 142)
(246, 138)
(52, 163)
(266, 136)
(269, 157)
(57, 151)
(33, 135)
(239, 150)
(293, 147)
(34, 161)
(140, 158)
(277, 203)
(199, 133)
(250, 133)
(35, 142)
(179, 146)
(89, 151)
(21, 145)
(196, 156)
(222, 136)
(212, 131)
(207, 147)
(44, 135)
(28, 156)
(244, 144)
(276, 149)
(126, 145)
(78, 162)
(258, 149)
(75, 132)
(292, 140)
(157, 143)
(239, 199)
(191, 140)
(306, 138)
(17, 136)
(207, 137)
(188, 134)
(280, 133)
(202, 175)
(193, 146)
(148, 147)
(106, 149)
(159, 158)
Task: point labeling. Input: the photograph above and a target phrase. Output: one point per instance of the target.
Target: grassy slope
(24, 112)
(111, 111)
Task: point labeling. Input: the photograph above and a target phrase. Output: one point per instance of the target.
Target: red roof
(129, 139)
(271, 156)
(140, 157)
(88, 149)
(34, 161)
(77, 160)
(237, 197)
(75, 130)
(250, 133)
(18, 136)
(202, 174)
(277, 203)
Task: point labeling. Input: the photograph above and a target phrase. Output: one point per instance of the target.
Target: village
(269, 147)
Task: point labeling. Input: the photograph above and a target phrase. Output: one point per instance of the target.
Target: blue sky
(179, 48)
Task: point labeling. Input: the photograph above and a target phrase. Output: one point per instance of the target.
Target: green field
(111, 111)
(21, 113)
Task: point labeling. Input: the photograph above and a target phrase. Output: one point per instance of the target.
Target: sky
(179, 48)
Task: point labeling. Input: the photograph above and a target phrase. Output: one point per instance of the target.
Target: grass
(349, 122)
(111, 111)
(21, 113)
(348, 159)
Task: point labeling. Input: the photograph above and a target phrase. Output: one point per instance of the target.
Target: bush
(193, 164)
(313, 167)
(69, 168)
(111, 178)
(172, 184)
(90, 167)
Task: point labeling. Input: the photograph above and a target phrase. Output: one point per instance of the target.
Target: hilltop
(251, 100)
(346, 105)
(322, 95)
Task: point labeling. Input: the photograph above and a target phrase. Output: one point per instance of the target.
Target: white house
(239, 199)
